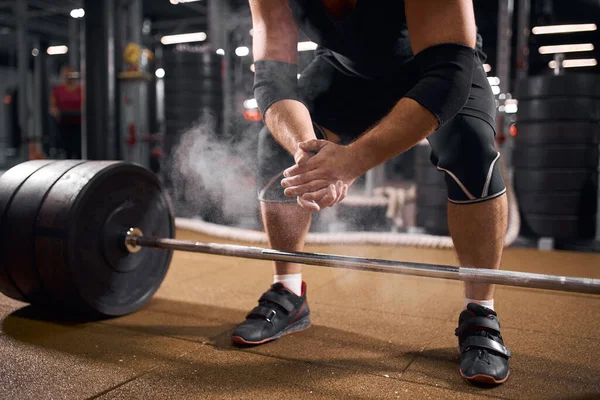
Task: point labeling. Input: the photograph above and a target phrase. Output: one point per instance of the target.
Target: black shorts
(348, 105)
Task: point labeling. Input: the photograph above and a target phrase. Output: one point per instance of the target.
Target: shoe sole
(486, 379)
(297, 326)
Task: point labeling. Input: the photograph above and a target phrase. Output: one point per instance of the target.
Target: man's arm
(275, 38)
(437, 29)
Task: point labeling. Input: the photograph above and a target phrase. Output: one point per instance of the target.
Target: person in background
(65, 107)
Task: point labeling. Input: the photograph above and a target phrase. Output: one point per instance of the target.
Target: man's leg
(477, 219)
(478, 232)
(286, 225)
(283, 309)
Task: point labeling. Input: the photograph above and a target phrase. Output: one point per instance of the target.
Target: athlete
(386, 75)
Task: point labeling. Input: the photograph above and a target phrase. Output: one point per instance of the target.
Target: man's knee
(467, 156)
(273, 159)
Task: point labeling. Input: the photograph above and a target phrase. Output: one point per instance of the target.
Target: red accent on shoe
(299, 312)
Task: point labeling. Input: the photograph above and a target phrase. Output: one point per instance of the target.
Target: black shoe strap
(262, 312)
(479, 323)
(278, 299)
(484, 343)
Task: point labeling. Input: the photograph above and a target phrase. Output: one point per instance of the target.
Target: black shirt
(372, 40)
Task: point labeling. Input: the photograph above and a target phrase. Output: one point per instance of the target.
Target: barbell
(97, 237)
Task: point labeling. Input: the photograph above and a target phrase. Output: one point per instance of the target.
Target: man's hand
(325, 177)
(301, 157)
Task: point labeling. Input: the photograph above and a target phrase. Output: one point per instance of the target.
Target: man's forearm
(405, 126)
(290, 123)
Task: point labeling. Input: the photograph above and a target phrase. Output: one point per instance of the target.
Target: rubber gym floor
(374, 336)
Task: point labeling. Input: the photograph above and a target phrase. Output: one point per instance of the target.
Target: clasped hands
(322, 174)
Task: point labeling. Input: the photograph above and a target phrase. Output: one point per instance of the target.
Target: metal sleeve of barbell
(501, 277)
(531, 280)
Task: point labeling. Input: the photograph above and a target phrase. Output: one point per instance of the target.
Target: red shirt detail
(68, 101)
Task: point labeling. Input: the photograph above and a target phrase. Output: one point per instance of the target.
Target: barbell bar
(72, 238)
(135, 241)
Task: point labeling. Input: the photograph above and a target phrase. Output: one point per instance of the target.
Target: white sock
(291, 281)
(485, 303)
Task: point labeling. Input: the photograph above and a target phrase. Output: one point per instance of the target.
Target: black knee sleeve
(464, 150)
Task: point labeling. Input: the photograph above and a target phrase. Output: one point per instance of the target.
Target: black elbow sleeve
(274, 81)
(446, 72)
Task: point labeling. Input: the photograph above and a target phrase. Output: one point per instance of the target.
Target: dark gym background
(180, 106)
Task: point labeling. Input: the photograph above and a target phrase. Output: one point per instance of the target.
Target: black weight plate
(432, 196)
(555, 156)
(10, 182)
(560, 227)
(80, 236)
(562, 85)
(559, 180)
(557, 203)
(433, 219)
(21, 217)
(430, 175)
(541, 132)
(560, 109)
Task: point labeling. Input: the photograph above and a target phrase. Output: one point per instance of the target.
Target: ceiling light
(221, 52)
(493, 80)
(487, 67)
(56, 50)
(511, 106)
(250, 104)
(160, 73)
(242, 51)
(575, 63)
(566, 48)
(305, 46)
(35, 52)
(77, 13)
(182, 1)
(545, 30)
(183, 38)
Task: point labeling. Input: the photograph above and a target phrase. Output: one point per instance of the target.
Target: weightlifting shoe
(484, 359)
(279, 312)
